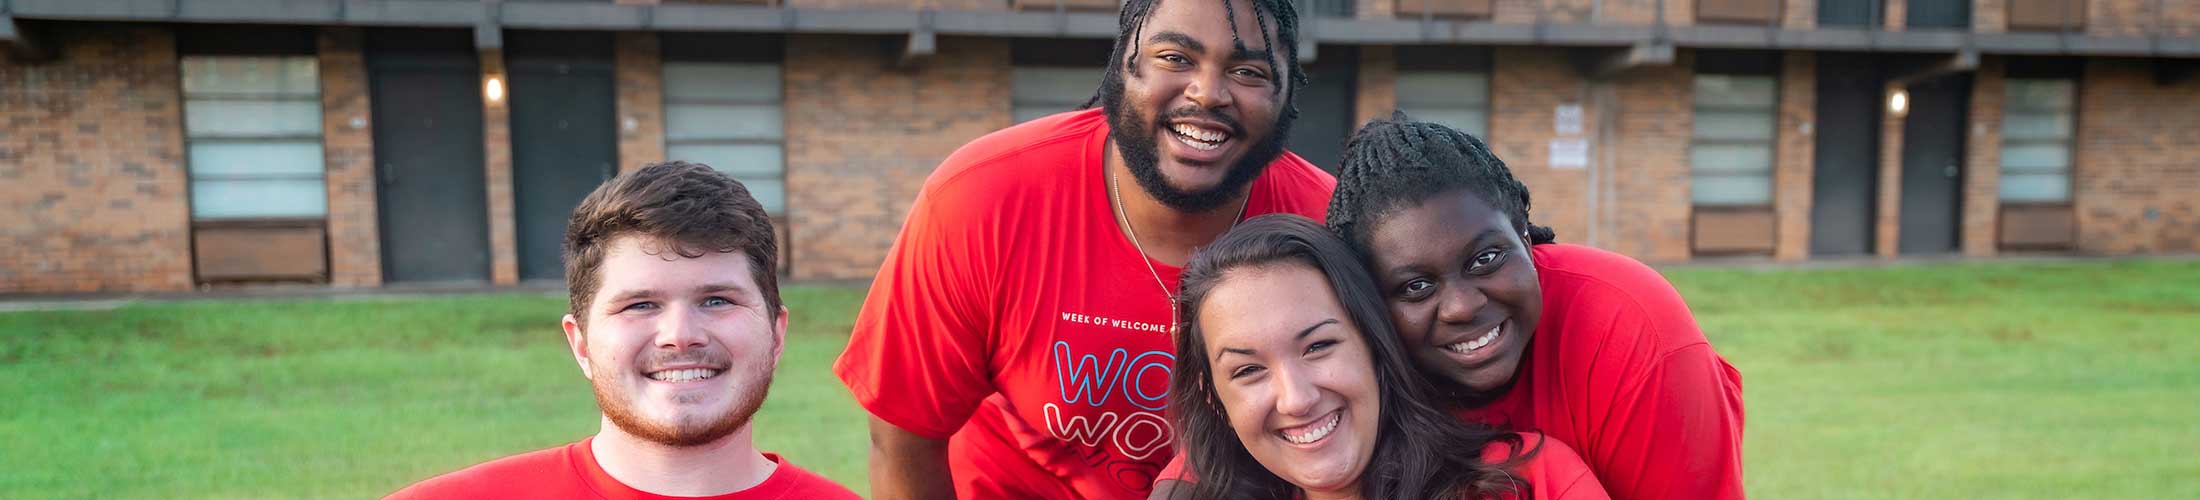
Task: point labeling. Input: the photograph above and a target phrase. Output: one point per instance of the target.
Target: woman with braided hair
(1588, 347)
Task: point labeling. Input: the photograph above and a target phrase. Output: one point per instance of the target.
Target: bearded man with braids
(1015, 343)
(1585, 346)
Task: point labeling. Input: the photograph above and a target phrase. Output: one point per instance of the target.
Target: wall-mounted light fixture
(493, 90)
(1898, 102)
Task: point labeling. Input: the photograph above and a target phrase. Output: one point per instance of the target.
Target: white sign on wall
(1566, 120)
(1569, 152)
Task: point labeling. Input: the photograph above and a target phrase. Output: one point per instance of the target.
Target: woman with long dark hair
(1289, 383)
(1514, 330)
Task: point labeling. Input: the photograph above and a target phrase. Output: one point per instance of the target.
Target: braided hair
(1395, 163)
(1131, 25)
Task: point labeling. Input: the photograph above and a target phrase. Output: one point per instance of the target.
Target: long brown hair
(1420, 451)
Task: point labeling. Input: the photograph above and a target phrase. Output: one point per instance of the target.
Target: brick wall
(1677, 12)
(347, 140)
(1982, 164)
(901, 4)
(1650, 203)
(91, 157)
(2137, 181)
(1377, 86)
(496, 137)
(639, 68)
(1372, 9)
(1992, 16)
(1888, 223)
(862, 135)
(1794, 156)
(1526, 87)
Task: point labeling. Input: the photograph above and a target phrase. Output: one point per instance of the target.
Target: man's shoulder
(540, 470)
(1036, 149)
(1299, 186)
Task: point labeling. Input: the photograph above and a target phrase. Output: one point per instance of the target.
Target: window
(729, 116)
(1446, 85)
(1456, 99)
(252, 125)
(2036, 138)
(1731, 150)
(1038, 91)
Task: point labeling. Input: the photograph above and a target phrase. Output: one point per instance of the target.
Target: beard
(685, 430)
(1134, 137)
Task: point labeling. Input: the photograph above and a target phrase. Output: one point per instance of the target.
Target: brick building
(161, 145)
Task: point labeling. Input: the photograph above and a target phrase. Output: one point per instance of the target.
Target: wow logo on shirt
(1089, 383)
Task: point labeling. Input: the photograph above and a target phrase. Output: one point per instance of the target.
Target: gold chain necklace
(1115, 194)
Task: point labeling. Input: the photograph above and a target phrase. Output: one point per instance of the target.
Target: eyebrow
(1478, 239)
(1178, 38)
(1301, 335)
(1245, 54)
(1189, 43)
(706, 288)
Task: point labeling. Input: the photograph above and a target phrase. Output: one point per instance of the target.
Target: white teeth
(1478, 343)
(1198, 138)
(1316, 434)
(683, 375)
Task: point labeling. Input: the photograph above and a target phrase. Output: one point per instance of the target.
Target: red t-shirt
(571, 471)
(1619, 370)
(1013, 318)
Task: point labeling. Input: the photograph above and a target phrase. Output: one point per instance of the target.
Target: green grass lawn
(1979, 380)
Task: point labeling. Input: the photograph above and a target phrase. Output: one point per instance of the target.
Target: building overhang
(921, 24)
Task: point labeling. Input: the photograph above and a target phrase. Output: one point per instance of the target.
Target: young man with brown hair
(676, 322)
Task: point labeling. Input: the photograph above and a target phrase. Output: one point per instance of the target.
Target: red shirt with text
(1013, 318)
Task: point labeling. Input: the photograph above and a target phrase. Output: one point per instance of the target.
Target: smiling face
(1461, 286)
(1293, 375)
(1198, 115)
(680, 351)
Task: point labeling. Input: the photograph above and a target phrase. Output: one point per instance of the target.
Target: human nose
(1459, 302)
(678, 329)
(1210, 90)
(1295, 392)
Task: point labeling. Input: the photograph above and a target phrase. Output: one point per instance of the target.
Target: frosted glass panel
(1053, 85)
(2035, 125)
(723, 121)
(737, 159)
(1735, 125)
(233, 199)
(228, 118)
(211, 159)
(298, 76)
(1731, 190)
(771, 192)
(2024, 94)
(750, 82)
(1736, 90)
(1731, 158)
(1472, 121)
(1028, 113)
(1443, 88)
(2035, 187)
(2036, 158)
